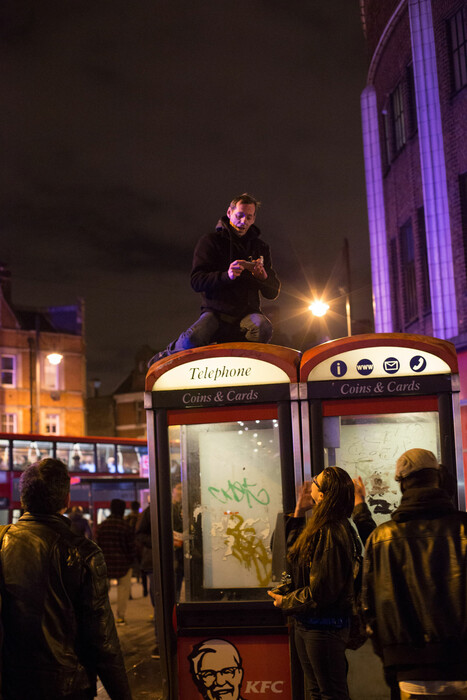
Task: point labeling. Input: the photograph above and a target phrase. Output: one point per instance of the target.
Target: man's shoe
(120, 621)
(157, 356)
(155, 654)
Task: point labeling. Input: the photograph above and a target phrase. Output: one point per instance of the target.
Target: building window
(395, 286)
(50, 375)
(386, 140)
(8, 370)
(52, 424)
(397, 113)
(421, 240)
(463, 200)
(409, 283)
(458, 50)
(140, 412)
(9, 424)
(411, 101)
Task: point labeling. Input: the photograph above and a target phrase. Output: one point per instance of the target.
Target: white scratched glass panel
(369, 446)
(241, 495)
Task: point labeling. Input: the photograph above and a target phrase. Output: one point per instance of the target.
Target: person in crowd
(144, 537)
(117, 541)
(58, 629)
(320, 593)
(79, 524)
(134, 515)
(231, 268)
(132, 519)
(415, 585)
(177, 524)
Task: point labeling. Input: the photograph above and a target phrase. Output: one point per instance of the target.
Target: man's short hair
(44, 487)
(117, 507)
(245, 198)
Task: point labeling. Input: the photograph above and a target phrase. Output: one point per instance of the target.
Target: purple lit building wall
(414, 123)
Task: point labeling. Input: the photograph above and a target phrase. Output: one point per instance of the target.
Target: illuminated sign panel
(378, 362)
(220, 371)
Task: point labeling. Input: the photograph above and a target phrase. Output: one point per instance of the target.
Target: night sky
(128, 126)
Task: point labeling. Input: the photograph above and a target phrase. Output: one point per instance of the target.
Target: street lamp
(318, 307)
(54, 358)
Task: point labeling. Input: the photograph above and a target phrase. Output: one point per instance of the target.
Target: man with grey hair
(415, 585)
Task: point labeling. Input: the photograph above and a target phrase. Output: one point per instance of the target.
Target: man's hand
(256, 267)
(360, 491)
(236, 268)
(258, 271)
(277, 599)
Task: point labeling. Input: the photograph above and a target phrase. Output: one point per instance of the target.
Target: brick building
(130, 415)
(414, 120)
(37, 396)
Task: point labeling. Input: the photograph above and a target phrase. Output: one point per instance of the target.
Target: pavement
(137, 639)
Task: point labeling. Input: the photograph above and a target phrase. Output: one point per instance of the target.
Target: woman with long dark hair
(321, 592)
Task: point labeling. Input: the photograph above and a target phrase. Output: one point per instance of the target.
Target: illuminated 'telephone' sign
(220, 371)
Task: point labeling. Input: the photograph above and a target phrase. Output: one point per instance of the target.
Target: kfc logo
(216, 668)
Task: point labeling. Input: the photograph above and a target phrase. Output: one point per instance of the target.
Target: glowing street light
(318, 307)
(55, 358)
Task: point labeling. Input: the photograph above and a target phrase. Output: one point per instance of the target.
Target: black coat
(415, 588)
(324, 587)
(59, 630)
(143, 537)
(212, 257)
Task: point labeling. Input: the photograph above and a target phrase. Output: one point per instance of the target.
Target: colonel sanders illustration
(216, 668)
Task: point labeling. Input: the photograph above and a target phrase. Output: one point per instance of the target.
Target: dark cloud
(126, 128)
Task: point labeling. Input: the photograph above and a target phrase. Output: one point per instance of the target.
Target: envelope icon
(391, 365)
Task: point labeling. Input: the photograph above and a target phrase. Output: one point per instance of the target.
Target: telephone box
(367, 399)
(224, 437)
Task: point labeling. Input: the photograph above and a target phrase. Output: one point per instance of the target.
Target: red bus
(101, 468)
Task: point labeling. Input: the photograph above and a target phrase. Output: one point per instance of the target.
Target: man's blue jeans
(322, 656)
(210, 328)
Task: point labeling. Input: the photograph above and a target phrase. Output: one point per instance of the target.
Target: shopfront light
(55, 358)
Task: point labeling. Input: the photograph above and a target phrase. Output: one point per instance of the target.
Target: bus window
(106, 459)
(4, 455)
(78, 456)
(128, 459)
(26, 452)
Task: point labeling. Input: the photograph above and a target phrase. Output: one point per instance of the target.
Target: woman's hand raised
(304, 500)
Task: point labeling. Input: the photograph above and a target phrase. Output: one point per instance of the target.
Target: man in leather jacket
(232, 267)
(415, 585)
(58, 628)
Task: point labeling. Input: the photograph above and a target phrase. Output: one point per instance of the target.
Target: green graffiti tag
(245, 545)
(238, 491)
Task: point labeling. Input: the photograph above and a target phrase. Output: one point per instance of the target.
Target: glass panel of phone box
(369, 446)
(230, 475)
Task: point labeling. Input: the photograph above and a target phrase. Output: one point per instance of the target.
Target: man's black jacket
(211, 260)
(415, 588)
(58, 627)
